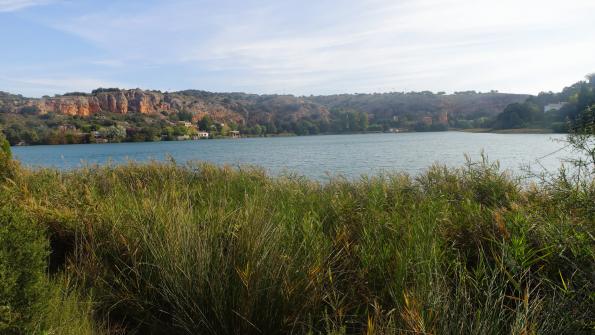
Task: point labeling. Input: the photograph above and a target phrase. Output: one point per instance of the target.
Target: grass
(163, 248)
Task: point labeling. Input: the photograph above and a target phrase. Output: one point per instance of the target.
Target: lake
(318, 156)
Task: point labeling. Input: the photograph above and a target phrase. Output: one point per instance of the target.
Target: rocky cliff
(251, 108)
(223, 107)
(113, 101)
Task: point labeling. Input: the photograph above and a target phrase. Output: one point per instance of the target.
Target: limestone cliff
(222, 107)
(244, 108)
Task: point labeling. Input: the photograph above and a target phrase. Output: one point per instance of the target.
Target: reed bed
(164, 248)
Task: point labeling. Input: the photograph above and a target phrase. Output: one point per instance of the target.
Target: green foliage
(29, 110)
(168, 249)
(519, 115)
(6, 163)
(5, 148)
(206, 123)
(259, 114)
(577, 98)
(66, 311)
(185, 116)
(23, 253)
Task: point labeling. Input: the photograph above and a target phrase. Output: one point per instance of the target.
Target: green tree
(185, 116)
(271, 127)
(363, 121)
(258, 130)
(180, 131)
(518, 115)
(205, 123)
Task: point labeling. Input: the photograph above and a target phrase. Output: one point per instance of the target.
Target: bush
(6, 164)
(23, 253)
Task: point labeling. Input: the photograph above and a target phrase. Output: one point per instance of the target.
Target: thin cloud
(334, 46)
(14, 5)
(42, 85)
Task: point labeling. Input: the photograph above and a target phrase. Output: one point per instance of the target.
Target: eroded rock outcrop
(221, 107)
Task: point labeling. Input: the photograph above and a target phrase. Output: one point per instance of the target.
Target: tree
(180, 131)
(114, 133)
(185, 116)
(271, 127)
(582, 140)
(363, 121)
(205, 123)
(29, 110)
(518, 115)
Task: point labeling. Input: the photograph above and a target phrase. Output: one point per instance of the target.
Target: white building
(553, 107)
(185, 124)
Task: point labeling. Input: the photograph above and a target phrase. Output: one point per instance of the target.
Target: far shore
(469, 130)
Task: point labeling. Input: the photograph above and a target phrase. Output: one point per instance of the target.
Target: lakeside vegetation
(164, 248)
(531, 114)
(76, 117)
(187, 112)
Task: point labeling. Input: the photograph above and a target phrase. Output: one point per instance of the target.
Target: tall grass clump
(163, 248)
(32, 301)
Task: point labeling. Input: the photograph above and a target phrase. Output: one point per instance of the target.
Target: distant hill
(387, 105)
(115, 115)
(260, 109)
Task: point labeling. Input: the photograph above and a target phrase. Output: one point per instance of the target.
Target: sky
(299, 47)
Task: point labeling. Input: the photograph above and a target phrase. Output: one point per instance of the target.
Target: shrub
(23, 253)
(6, 164)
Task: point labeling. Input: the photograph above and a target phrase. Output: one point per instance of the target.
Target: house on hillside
(427, 120)
(185, 124)
(66, 127)
(553, 107)
(98, 137)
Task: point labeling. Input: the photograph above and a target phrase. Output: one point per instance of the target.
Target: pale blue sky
(299, 47)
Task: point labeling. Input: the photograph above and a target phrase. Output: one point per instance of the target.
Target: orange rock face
(222, 109)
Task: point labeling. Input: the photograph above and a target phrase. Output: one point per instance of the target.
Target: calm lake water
(317, 156)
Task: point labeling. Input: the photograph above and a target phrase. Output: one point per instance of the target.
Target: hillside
(240, 107)
(143, 115)
(236, 107)
(387, 105)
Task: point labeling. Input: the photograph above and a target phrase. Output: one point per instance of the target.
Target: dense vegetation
(23, 121)
(262, 115)
(530, 114)
(197, 249)
(65, 129)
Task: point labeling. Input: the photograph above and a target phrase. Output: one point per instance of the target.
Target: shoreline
(508, 131)
(470, 130)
